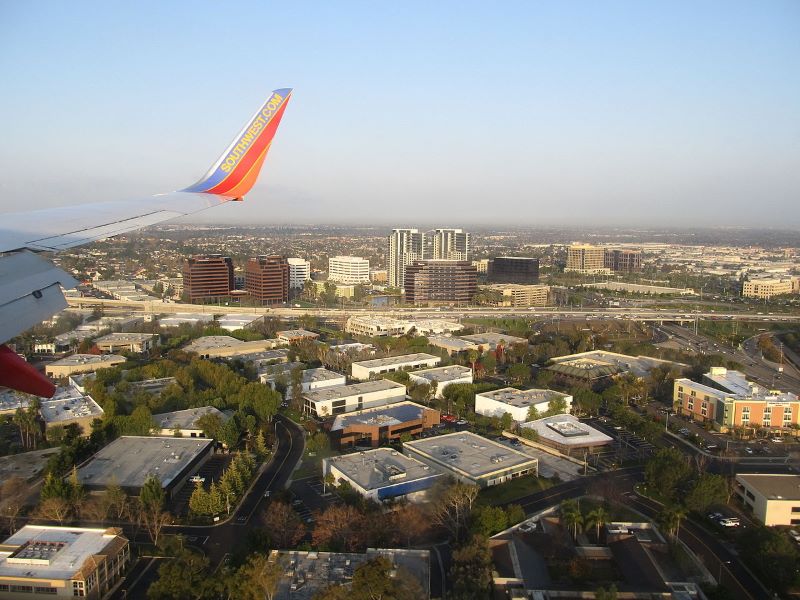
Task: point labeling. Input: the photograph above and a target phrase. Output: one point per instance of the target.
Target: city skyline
(619, 113)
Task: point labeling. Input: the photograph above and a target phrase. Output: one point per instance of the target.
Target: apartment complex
(447, 244)
(299, 272)
(774, 499)
(727, 399)
(267, 279)
(764, 289)
(208, 276)
(514, 269)
(440, 282)
(586, 260)
(404, 248)
(348, 270)
(65, 562)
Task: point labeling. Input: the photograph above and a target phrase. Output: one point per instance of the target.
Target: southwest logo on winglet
(236, 171)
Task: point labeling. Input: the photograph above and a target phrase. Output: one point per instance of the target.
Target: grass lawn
(312, 465)
(513, 490)
(616, 512)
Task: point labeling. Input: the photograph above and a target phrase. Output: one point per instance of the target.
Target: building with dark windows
(207, 277)
(440, 282)
(623, 260)
(266, 279)
(514, 269)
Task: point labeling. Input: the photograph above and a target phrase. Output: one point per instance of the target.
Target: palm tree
(571, 517)
(670, 519)
(597, 517)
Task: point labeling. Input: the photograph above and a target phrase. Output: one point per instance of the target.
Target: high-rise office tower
(299, 272)
(266, 279)
(348, 270)
(440, 281)
(514, 269)
(208, 276)
(623, 260)
(586, 259)
(447, 244)
(405, 246)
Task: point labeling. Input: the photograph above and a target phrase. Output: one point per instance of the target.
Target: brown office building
(381, 425)
(207, 277)
(266, 279)
(623, 260)
(440, 282)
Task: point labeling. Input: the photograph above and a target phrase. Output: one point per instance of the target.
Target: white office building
(299, 272)
(442, 377)
(448, 244)
(348, 270)
(365, 369)
(335, 400)
(517, 402)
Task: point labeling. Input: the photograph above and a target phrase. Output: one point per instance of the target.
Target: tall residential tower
(405, 247)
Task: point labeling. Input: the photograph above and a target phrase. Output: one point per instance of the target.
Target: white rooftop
(443, 374)
(381, 467)
(493, 339)
(345, 391)
(87, 359)
(567, 430)
(186, 419)
(522, 398)
(125, 338)
(69, 404)
(396, 360)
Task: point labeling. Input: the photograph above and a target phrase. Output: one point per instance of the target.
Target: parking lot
(211, 471)
(309, 496)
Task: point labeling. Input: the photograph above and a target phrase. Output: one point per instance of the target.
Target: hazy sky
(662, 113)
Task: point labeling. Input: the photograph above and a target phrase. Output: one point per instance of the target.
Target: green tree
(609, 593)
(151, 497)
(571, 517)
(488, 520)
(260, 445)
(773, 555)
(709, 489)
(519, 373)
(670, 519)
(506, 421)
(54, 487)
(210, 424)
(666, 471)
(374, 580)
(471, 571)
(597, 517)
(199, 501)
(185, 576)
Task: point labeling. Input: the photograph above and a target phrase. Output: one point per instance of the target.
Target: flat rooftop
(265, 356)
(43, 552)
(452, 343)
(701, 387)
(638, 365)
(381, 467)
(584, 368)
(212, 342)
(125, 338)
(68, 405)
(320, 374)
(493, 339)
(87, 359)
(469, 453)
(243, 319)
(384, 416)
(522, 398)
(444, 374)
(296, 333)
(567, 430)
(773, 487)
(129, 460)
(396, 360)
(276, 370)
(335, 392)
(186, 419)
(181, 318)
(10, 401)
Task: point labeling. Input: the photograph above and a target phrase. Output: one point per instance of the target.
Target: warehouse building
(62, 562)
(127, 342)
(382, 474)
(82, 363)
(366, 369)
(184, 422)
(442, 377)
(129, 460)
(376, 426)
(338, 399)
(517, 402)
(472, 459)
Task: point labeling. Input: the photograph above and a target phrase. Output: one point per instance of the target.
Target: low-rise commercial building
(11, 400)
(382, 474)
(587, 371)
(239, 321)
(491, 340)
(292, 336)
(568, 435)
(453, 345)
(472, 459)
(441, 377)
(518, 403)
(152, 386)
(127, 342)
(179, 319)
(764, 289)
(224, 346)
(774, 499)
(640, 366)
(339, 399)
(727, 399)
(376, 426)
(378, 326)
(311, 379)
(129, 460)
(68, 406)
(184, 423)
(522, 295)
(62, 562)
(82, 363)
(365, 369)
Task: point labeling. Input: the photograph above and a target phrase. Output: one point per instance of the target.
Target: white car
(197, 479)
(730, 522)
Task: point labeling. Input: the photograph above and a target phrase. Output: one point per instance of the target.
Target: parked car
(683, 431)
(748, 450)
(793, 533)
(730, 522)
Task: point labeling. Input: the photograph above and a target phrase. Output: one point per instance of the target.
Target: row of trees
(220, 497)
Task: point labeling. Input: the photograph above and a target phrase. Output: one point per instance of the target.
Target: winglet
(236, 171)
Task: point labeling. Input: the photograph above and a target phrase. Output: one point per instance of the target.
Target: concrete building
(382, 474)
(440, 282)
(266, 279)
(239, 321)
(62, 562)
(448, 244)
(381, 425)
(11, 400)
(366, 369)
(518, 403)
(514, 269)
(764, 289)
(339, 399)
(774, 499)
(482, 266)
(151, 386)
(129, 460)
(585, 370)
(405, 246)
(522, 295)
(640, 366)
(442, 377)
(306, 574)
(453, 345)
(568, 435)
(225, 346)
(68, 406)
(127, 342)
(312, 379)
(491, 340)
(179, 319)
(638, 288)
(472, 459)
(380, 326)
(299, 272)
(348, 270)
(728, 400)
(292, 336)
(623, 260)
(184, 422)
(586, 260)
(82, 363)
(207, 277)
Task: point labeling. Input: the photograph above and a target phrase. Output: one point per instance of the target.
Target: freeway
(632, 313)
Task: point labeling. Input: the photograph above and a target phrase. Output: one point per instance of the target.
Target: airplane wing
(30, 286)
